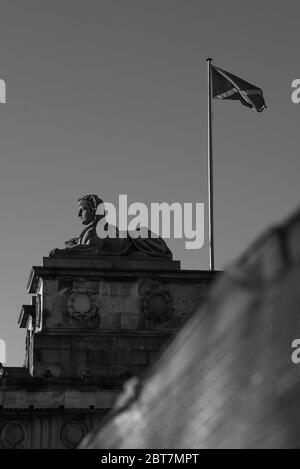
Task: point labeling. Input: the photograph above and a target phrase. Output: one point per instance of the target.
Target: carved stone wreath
(72, 433)
(157, 305)
(14, 435)
(82, 304)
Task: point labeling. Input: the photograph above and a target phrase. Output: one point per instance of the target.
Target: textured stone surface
(126, 302)
(87, 333)
(62, 429)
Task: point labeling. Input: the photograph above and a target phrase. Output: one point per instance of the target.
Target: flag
(228, 86)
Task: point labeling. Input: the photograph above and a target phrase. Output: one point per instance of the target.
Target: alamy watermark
(174, 220)
(2, 91)
(295, 356)
(2, 351)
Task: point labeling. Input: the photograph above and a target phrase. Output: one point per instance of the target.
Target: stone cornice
(93, 272)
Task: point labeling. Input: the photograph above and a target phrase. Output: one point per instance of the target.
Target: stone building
(96, 319)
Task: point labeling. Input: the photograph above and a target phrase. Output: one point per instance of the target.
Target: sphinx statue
(88, 242)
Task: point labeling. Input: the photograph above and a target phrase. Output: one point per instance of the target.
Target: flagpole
(210, 171)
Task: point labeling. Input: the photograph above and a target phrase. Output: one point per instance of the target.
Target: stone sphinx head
(88, 205)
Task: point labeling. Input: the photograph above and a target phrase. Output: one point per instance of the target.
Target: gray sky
(109, 97)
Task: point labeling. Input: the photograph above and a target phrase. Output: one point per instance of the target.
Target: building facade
(94, 322)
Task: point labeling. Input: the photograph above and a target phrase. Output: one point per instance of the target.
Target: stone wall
(46, 429)
(109, 323)
(93, 323)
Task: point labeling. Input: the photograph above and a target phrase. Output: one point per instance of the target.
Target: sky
(109, 97)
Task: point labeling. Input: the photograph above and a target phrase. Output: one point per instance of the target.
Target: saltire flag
(225, 85)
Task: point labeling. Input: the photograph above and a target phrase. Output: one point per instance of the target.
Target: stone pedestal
(93, 323)
(104, 317)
